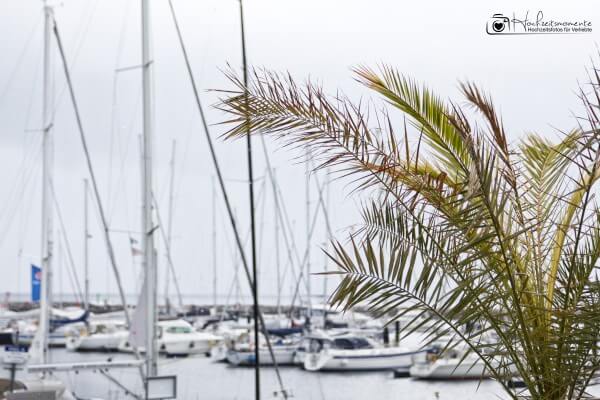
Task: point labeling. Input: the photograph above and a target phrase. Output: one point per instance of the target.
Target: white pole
(277, 258)
(214, 241)
(48, 164)
(325, 246)
(170, 221)
(86, 237)
(149, 259)
(307, 276)
(58, 269)
(236, 273)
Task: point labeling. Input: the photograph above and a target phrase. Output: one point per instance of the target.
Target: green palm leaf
(493, 245)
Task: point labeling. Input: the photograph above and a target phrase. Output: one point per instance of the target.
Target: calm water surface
(199, 378)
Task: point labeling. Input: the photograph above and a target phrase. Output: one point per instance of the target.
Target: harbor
(257, 199)
(210, 352)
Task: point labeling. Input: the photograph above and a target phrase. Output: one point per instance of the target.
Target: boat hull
(54, 340)
(347, 360)
(283, 356)
(449, 369)
(179, 347)
(185, 347)
(96, 342)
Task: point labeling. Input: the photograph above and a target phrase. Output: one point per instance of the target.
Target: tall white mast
(48, 164)
(170, 226)
(325, 246)
(307, 189)
(214, 241)
(277, 258)
(149, 257)
(86, 237)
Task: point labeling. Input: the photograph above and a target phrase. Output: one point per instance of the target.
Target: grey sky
(532, 79)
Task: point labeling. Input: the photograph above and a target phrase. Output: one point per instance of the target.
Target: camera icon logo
(497, 24)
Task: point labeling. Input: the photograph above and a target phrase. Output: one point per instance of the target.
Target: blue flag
(36, 283)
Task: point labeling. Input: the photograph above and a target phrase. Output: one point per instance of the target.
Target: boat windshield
(179, 329)
(352, 343)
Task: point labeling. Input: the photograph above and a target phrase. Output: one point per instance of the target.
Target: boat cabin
(314, 344)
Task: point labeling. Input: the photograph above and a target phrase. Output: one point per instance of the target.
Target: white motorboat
(178, 338)
(351, 352)
(284, 352)
(101, 335)
(452, 364)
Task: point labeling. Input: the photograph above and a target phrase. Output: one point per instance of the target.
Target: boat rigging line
(73, 276)
(115, 381)
(214, 239)
(282, 216)
(169, 235)
(258, 314)
(308, 236)
(252, 216)
(95, 189)
(167, 244)
(310, 226)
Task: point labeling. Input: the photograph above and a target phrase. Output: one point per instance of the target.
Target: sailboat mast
(48, 164)
(170, 220)
(149, 258)
(307, 216)
(277, 258)
(214, 241)
(86, 238)
(328, 207)
(255, 306)
(326, 244)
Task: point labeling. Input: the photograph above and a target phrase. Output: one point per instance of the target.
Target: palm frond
(493, 245)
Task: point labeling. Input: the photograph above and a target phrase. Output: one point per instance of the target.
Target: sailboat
(40, 343)
(98, 335)
(143, 329)
(62, 323)
(38, 370)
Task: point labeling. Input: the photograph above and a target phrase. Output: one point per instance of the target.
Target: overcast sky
(532, 79)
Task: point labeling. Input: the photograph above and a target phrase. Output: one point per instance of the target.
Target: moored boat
(178, 338)
(27, 331)
(102, 335)
(351, 352)
(63, 322)
(242, 353)
(451, 364)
